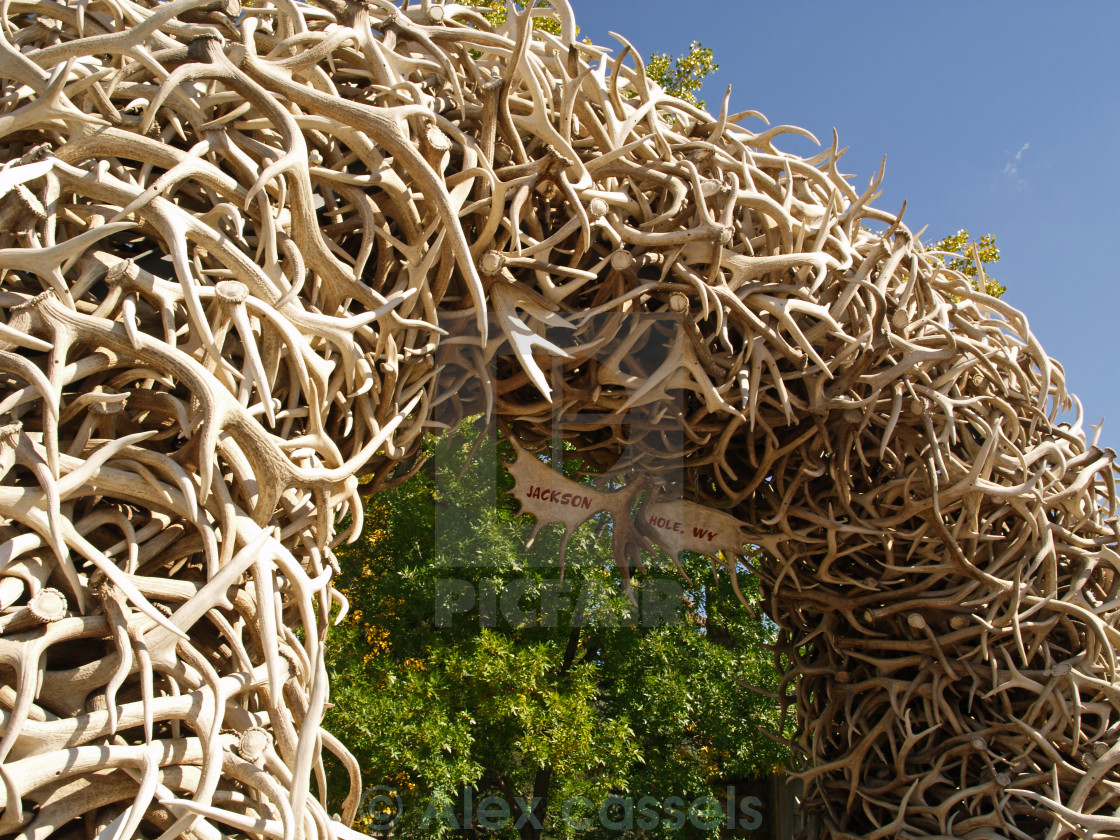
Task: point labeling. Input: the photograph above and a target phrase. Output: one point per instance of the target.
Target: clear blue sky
(998, 117)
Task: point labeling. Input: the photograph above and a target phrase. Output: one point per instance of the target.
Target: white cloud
(1012, 167)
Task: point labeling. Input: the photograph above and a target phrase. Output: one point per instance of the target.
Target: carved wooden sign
(675, 525)
(687, 526)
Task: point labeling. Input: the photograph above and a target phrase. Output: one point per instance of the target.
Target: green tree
(683, 75)
(571, 705)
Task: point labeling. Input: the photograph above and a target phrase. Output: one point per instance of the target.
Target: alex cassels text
(382, 810)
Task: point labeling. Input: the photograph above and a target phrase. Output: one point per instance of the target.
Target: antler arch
(248, 255)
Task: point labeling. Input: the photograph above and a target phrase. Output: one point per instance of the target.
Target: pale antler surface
(247, 256)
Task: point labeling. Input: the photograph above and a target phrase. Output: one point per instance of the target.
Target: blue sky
(998, 117)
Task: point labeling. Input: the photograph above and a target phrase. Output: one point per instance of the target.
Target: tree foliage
(588, 699)
(971, 257)
(683, 75)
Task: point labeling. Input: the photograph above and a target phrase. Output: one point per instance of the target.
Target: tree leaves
(972, 255)
(607, 704)
(683, 75)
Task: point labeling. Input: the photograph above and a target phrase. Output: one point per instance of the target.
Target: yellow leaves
(683, 75)
(498, 10)
(377, 636)
(401, 782)
(974, 256)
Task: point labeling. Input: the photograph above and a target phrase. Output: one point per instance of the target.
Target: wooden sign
(551, 497)
(674, 525)
(687, 526)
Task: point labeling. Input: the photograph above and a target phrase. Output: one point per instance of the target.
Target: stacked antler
(247, 257)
